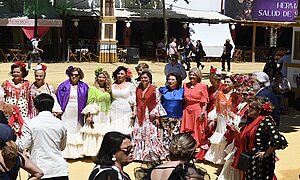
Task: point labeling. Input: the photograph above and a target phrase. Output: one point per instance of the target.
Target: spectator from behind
(45, 137)
(11, 161)
(181, 151)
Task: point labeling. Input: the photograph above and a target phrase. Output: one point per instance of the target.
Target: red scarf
(249, 131)
(16, 117)
(147, 100)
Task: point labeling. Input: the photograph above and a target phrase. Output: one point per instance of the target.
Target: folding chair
(5, 56)
(73, 56)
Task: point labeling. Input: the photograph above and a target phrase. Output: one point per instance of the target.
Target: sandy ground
(287, 168)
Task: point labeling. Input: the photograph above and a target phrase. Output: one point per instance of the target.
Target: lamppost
(35, 19)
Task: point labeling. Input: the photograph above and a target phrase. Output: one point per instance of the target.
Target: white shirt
(35, 44)
(45, 137)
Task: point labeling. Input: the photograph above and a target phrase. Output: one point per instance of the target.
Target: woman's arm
(35, 172)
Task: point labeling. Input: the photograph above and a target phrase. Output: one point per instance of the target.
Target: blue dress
(172, 102)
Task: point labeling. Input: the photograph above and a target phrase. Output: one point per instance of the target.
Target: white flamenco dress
(120, 109)
(73, 149)
(98, 106)
(229, 172)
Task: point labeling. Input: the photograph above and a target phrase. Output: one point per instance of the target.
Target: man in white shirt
(35, 55)
(45, 137)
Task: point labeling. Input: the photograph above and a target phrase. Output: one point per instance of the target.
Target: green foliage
(64, 7)
(42, 7)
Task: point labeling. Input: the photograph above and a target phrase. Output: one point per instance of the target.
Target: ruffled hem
(228, 172)
(90, 108)
(91, 144)
(74, 139)
(216, 154)
(122, 124)
(217, 138)
(72, 151)
(212, 115)
(99, 129)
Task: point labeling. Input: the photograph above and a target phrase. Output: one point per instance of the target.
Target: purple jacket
(63, 95)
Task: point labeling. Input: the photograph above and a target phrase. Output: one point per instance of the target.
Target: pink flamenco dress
(196, 97)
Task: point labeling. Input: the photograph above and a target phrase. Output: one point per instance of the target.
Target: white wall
(212, 37)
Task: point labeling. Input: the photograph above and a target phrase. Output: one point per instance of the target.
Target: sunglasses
(127, 151)
(76, 75)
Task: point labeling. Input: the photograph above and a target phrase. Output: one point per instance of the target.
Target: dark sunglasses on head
(76, 75)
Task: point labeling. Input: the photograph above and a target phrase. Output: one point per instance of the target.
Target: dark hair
(22, 69)
(71, 69)
(178, 78)
(279, 73)
(44, 102)
(110, 145)
(231, 79)
(120, 68)
(148, 73)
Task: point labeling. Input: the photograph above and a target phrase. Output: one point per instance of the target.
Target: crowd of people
(233, 122)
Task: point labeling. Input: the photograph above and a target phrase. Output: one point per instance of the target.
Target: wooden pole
(165, 24)
(253, 42)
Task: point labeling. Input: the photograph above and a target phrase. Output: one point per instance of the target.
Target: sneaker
(223, 70)
(202, 66)
(187, 69)
(228, 70)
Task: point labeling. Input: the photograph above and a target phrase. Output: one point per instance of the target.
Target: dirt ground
(287, 168)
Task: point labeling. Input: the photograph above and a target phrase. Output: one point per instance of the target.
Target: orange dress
(195, 99)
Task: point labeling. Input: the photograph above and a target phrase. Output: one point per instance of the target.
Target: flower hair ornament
(41, 67)
(267, 107)
(98, 71)
(69, 70)
(19, 63)
(129, 73)
(215, 71)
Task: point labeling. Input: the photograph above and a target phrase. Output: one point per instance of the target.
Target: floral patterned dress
(35, 91)
(147, 136)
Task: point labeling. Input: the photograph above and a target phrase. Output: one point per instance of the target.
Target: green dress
(98, 104)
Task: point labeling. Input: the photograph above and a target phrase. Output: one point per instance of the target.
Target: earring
(113, 158)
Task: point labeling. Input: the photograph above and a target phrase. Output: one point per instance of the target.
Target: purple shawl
(63, 95)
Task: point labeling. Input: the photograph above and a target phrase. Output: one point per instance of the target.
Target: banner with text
(262, 10)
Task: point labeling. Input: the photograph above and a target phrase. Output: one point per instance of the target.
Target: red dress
(195, 99)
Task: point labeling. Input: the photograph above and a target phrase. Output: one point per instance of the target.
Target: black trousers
(291, 97)
(226, 59)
